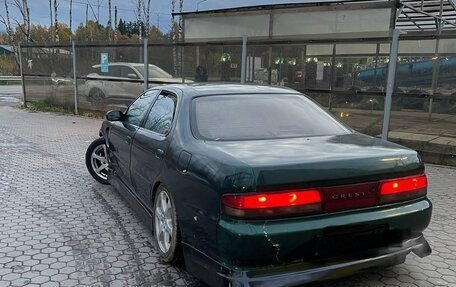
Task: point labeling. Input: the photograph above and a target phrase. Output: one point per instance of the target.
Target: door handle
(128, 139)
(159, 153)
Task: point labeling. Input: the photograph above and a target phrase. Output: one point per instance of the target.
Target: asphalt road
(59, 227)
(10, 95)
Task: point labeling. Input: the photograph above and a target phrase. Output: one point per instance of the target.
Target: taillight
(325, 199)
(401, 189)
(272, 204)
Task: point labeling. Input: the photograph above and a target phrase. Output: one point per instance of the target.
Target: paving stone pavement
(59, 227)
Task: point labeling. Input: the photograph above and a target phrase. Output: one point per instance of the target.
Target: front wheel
(166, 227)
(97, 160)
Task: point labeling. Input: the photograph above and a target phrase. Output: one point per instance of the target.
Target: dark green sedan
(260, 186)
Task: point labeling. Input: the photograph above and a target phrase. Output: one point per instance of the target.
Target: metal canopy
(426, 15)
(412, 15)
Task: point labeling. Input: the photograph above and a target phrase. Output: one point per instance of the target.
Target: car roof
(199, 89)
(123, 64)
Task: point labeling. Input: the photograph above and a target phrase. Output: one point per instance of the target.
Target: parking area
(59, 227)
(10, 95)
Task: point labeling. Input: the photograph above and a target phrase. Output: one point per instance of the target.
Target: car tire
(97, 97)
(96, 158)
(165, 226)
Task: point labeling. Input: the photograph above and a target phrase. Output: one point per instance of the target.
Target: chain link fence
(347, 78)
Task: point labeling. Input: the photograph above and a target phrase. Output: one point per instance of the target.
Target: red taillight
(324, 199)
(272, 203)
(403, 188)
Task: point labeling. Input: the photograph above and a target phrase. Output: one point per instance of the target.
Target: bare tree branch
(10, 32)
(56, 23)
(51, 28)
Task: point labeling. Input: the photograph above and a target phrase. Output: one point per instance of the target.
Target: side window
(113, 71)
(161, 115)
(138, 109)
(125, 71)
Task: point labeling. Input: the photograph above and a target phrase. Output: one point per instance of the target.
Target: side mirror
(132, 76)
(114, 116)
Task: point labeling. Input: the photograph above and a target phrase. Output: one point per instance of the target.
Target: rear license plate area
(342, 240)
(352, 196)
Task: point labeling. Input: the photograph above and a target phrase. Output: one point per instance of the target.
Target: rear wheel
(166, 228)
(97, 160)
(97, 97)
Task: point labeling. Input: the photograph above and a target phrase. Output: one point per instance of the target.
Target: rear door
(130, 87)
(121, 135)
(110, 83)
(150, 145)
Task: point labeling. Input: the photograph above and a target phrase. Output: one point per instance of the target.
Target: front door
(150, 145)
(121, 135)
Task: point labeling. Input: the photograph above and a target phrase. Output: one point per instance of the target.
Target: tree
(155, 34)
(91, 32)
(10, 31)
(122, 28)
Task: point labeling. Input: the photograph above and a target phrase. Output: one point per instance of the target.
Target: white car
(123, 82)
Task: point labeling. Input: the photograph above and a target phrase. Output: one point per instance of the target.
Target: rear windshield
(249, 117)
(154, 72)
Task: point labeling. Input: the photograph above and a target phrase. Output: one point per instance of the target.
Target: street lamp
(199, 2)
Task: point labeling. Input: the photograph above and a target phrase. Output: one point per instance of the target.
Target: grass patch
(47, 105)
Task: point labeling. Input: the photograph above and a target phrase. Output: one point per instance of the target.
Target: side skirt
(133, 200)
(196, 263)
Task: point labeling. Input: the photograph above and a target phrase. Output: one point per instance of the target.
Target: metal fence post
(24, 96)
(75, 79)
(435, 77)
(244, 59)
(332, 77)
(182, 71)
(270, 66)
(390, 82)
(146, 64)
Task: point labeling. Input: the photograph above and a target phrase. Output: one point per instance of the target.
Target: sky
(160, 9)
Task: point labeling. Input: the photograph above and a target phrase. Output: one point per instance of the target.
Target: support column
(436, 66)
(377, 52)
(244, 59)
(390, 82)
(435, 77)
(331, 79)
(270, 66)
(182, 71)
(303, 65)
(75, 80)
(146, 64)
(197, 56)
(24, 95)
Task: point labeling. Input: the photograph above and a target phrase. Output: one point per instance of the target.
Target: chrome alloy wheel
(99, 161)
(163, 221)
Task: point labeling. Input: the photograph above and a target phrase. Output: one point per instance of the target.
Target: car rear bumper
(285, 252)
(250, 244)
(297, 274)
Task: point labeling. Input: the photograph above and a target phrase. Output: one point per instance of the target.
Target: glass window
(113, 71)
(154, 72)
(125, 71)
(161, 115)
(249, 117)
(138, 109)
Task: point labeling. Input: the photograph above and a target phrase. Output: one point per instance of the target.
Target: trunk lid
(321, 161)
